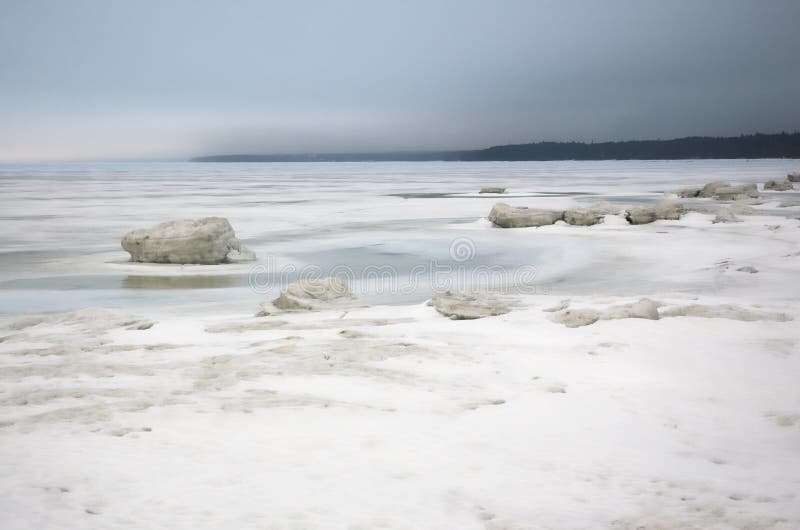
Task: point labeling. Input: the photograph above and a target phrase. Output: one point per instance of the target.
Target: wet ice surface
(150, 396)
(63, 223)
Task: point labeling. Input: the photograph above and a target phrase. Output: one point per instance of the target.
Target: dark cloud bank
(152, 79)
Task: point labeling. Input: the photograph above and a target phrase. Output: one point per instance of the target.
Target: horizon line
(388, 152)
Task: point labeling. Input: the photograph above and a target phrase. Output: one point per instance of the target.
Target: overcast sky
(170, 79)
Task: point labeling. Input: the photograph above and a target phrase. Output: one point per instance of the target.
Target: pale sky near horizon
(148, 79)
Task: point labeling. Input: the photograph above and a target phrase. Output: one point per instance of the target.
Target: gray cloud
(91, 79)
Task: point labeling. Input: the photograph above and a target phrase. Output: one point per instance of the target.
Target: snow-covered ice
(150, 396)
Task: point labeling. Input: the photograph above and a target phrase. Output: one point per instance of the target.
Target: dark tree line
(782, 145)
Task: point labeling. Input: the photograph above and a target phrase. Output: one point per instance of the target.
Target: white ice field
(387, 414)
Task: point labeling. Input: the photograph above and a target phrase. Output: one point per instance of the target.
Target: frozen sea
(60, 247)
(154, 396)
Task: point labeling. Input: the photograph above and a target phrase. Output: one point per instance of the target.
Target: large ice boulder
(778, 185)
(206, 241)
(589, 215)
(468, 306)
(312, 293)
(721, 191)
(793, 176)
(507, 216)
(735, 193)
(647, 214)
(706, 191)
(688, 193)
(574, 318)
(643, 308)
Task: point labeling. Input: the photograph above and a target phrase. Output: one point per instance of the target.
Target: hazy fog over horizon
(172, 80)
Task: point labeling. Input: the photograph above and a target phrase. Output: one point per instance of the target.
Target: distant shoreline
(752, 146)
